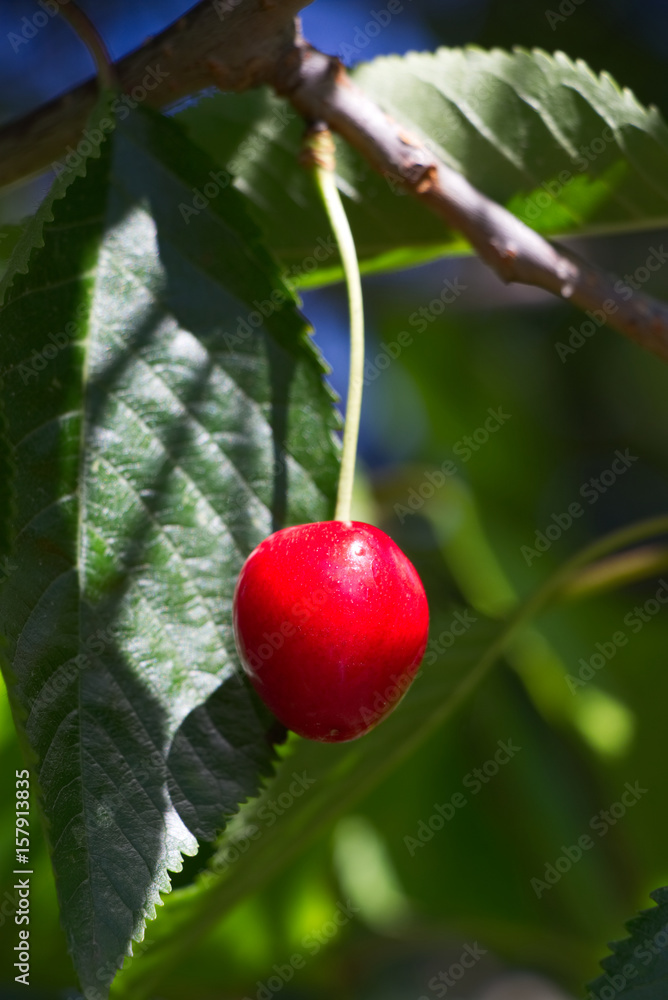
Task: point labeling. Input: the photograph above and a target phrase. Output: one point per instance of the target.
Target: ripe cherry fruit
(330, 621)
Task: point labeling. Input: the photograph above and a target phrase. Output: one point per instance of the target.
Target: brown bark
(320, 89)
(231, 44)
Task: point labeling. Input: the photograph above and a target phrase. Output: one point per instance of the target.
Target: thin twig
(85, 30)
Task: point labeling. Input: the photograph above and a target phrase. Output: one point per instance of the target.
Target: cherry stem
(321, 150)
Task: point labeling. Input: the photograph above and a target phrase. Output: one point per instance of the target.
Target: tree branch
(320, 89)
(231, 44)
(239, 44)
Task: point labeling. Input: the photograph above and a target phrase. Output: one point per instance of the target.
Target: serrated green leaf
(638, 966)
(566, 150)
(16, 245)
(27, 235)
(166, 411)
(10, 234)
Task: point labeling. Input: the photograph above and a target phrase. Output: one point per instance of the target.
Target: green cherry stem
(322, 149)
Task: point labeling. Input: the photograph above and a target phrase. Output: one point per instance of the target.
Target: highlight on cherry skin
(331, 623)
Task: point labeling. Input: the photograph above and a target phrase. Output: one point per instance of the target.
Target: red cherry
(331, 622)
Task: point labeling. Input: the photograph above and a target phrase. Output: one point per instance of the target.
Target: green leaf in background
(166, 411)
(638, 966)
(564, 149)
(320, 781)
